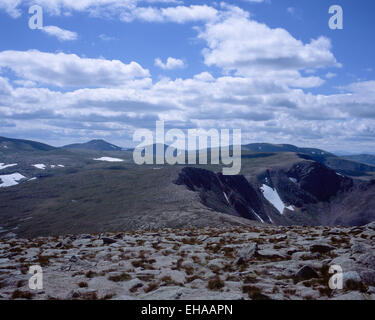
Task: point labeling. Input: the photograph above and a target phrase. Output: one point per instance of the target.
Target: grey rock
(368, 277)
(73, 259)
(354, 295)
(305, 256)
(270, 254)
(350, 279)
(358, 247)
(248, 251)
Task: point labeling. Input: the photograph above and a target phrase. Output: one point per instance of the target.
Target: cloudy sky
(273, 68)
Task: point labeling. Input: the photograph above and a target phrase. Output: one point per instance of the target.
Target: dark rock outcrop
(319, 181)
(230, 194)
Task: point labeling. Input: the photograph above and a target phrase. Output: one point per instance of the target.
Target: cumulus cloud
(249, 48)
(257, 84)
(170, 64)
(61, 34)
(69, 70)
(265, 112)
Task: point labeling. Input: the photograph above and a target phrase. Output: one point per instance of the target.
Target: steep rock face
(230, 194)
(319, 181)
(310, 192)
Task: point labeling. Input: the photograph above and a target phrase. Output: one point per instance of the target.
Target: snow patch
(4, 166)
(273, 197)
(40, 166)
(294, 180)
(109, 159)
(261, 220)
(339, 174)
(226, 197)
(9, 180)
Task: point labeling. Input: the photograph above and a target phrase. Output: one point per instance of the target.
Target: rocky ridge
(230, 263)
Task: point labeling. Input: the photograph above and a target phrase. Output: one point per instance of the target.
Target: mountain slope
(362, 158)
(17, 145)
(267, 147)
(342, 165)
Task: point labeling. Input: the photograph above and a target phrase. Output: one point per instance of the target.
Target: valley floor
(210, 263)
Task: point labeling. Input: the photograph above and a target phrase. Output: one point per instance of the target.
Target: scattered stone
(174, 264)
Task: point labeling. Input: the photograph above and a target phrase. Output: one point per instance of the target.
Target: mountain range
(96, 187)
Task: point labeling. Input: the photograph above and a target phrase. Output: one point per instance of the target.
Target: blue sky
(102, 69)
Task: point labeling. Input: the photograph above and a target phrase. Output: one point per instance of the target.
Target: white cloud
(239, 44)
(126, 10)
(61, 34)
(170, 64)
(11, 7)
(259, 90)
(179, 14)
(264, 111)
(291, 10)
(330, 75)
(105, 37)
(69, 70)
(255, 1)
(248, 48)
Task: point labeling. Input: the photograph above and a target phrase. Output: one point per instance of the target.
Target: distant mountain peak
(96, 144)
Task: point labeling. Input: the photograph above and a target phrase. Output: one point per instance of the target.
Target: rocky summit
(231, 263)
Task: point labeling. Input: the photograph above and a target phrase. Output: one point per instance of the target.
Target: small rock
(85, 236)
(108, 240)
(281, 237)
(321, 248)
(306, 273)
(248, 251)
(270, 254)
(73, 259)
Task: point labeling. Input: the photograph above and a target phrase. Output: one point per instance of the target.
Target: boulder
(270, 254)
(351, 280)
(321, 248)
(306, 273)
(108, 240)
